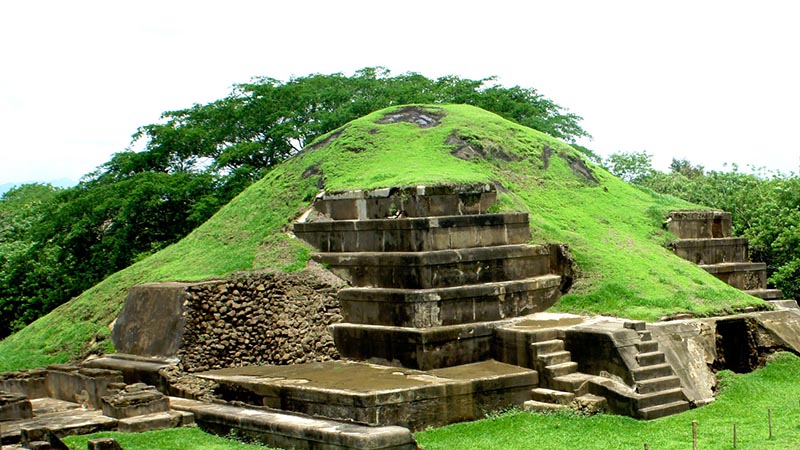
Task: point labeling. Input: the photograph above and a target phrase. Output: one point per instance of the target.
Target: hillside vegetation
(613, 229)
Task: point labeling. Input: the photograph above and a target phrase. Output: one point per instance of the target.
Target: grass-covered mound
(613, 229)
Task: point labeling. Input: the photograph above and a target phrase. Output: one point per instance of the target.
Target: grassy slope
(613, 229)
(744, 401)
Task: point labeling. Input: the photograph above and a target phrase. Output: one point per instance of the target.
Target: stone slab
(62, 423)
(14, 406)
(713, 251)
(741, 275)
(379, 395)
(417, 348)
(423, 308)
(152, 319)
(415, 201)
(155, 421)
(690, 347)
(286, 430)
(697, 224)
(134, 369)
(442, 268)
(415, 234)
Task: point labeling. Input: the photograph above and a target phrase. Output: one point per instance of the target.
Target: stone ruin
(423, 309)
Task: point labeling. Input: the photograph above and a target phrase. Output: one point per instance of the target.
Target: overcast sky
(709, 81)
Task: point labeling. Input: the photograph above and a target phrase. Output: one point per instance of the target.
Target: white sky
(711, 81)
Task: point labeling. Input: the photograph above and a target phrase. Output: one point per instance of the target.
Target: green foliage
(632, 166)
(613, 229)
(744, 400)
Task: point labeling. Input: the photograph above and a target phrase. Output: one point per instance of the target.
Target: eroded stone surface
(134, 400)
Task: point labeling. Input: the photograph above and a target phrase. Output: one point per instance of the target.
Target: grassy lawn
(744, 401)
(174, 439)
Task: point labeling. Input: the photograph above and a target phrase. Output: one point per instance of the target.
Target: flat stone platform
(380, 395)
(61, 417)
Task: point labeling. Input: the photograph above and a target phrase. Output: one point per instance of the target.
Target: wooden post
(769, 416)
(694, 435)
(734, 435)
(646, 447)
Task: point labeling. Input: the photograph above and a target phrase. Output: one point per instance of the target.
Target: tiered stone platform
(705, 239)
(432, 272)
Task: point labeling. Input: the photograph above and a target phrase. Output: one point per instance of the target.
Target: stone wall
(261, 318)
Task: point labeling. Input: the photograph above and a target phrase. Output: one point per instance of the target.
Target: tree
(630, 166)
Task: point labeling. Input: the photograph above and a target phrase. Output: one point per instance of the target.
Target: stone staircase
(705, 239)
(658, 388)
(432, 272)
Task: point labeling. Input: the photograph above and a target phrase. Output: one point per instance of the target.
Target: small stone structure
(705, 239)
(38, 407)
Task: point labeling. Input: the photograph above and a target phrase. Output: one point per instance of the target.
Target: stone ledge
(296, 431)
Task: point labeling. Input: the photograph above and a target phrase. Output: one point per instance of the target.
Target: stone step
(790, 304)
(650, 372)
(635, 325)
(645, 335)
(742, 275)
(155, 421)
(416, 348)
(712, 251)
(658, 384)
(286, 430)
(659, 398)
(589, 404)
(698, 224)
(574, 382)
(416, 234)
(549, 346)
(655, 412)
(552, 396)
(561, 369)
(550, 359)
(415, 201)
(651, 358)
(423, 308)
(766, 294)
(647, 346)
(535, 406)
(441, 268)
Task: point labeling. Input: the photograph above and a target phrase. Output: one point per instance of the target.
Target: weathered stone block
(417, 348)
(14, 406)
(134, 400)
(423, 308)
(418, 201)
(699, 224)
(712, 251)
(741, 275)
(31, 383)
(443, 268)
(103, 444)
(415, 234)
(81, 385)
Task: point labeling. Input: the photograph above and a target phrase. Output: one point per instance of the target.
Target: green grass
(612, 228)
(173, 439)
(744, 400)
